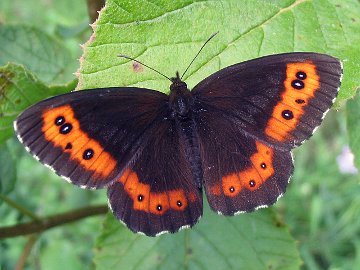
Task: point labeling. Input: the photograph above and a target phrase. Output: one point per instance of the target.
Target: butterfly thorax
(180, 99)
(181, 105)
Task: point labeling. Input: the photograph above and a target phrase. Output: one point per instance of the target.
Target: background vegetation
(314, 226)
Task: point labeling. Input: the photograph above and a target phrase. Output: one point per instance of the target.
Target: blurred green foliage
(320, 208)
(54, 29)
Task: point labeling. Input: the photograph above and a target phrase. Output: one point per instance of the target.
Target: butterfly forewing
(88, 137)
(280, 99)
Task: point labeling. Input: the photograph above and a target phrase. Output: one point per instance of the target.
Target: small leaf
(353, 127)
(19, 89)
(248, 241)
(46, 57)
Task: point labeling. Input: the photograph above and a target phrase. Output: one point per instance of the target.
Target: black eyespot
(301, 75)
(300, 101)
(59, 120)
(287, 114)
(179, 203)
(263, 165)
(88, 154)
(297, 84)
(68, 146)
(252, 183)
(140, 198)
(159, 207)
(232, 189)
(65, 128)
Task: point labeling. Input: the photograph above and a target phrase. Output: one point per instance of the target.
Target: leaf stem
(49, 222)
(19, 207)
(26, 252)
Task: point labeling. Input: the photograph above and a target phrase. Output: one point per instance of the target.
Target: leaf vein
(214, 247)
(250, 30)
(146, 254)
(242, 235)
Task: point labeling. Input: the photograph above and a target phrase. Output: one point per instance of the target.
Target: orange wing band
(250, 178)
(152, 202)
(301, 83)
(61, 128)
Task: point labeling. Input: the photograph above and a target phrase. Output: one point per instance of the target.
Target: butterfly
(230, 137)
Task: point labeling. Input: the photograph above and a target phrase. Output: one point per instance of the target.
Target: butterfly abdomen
(181, 102)
(190, 142)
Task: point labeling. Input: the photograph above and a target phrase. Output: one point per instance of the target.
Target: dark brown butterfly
(232, 134)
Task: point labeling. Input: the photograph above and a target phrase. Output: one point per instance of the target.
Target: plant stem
(25, 254)
(51, 221)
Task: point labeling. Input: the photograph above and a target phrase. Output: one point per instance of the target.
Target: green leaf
(19, 89)
(353, 127)
(248, 241)
(7, 170)
(45, 56)
(44, 14)
(167, 35)
(60, 255)
(351, 61)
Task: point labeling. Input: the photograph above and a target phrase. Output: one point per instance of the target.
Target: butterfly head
(177, 84)
(180, 97)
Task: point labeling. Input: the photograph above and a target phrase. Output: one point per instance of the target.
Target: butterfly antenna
(202, 47)
(129, 58)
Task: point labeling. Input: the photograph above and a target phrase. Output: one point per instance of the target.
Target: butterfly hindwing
(89, 136)
(157, 192)
(280, 98)
(240, 174)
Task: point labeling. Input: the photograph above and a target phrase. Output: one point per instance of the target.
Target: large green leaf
(167, 34)
(19, 88)
(251, 241)
(47, 57)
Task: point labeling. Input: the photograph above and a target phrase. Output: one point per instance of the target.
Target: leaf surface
(353, 127)
(249, 241)
(167, 34)
(47, 57)
(19, 89)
